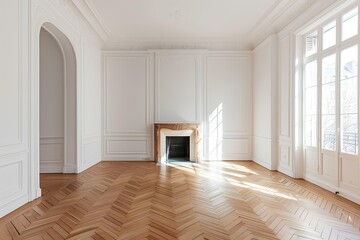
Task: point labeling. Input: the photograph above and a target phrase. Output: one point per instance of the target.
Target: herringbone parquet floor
(221, 200)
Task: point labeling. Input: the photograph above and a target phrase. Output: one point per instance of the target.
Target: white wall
(177, 82)
(20, 23)
(265, 103)
(91, 93)
(176, 86)
(127, 106)
(227, 106)
(14, 107)
(285, 103)
(51, 104)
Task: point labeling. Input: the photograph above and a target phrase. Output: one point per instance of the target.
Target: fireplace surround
(163, 130)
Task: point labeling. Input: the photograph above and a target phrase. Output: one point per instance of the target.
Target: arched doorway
(57, 102)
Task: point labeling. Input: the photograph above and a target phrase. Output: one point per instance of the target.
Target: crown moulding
(278, 15)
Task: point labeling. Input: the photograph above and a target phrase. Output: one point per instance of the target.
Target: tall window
(330, 84)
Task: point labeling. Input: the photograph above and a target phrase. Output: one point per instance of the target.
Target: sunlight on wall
(216, 133)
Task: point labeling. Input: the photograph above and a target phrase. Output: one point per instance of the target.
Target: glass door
(348, 154)
(329, 136)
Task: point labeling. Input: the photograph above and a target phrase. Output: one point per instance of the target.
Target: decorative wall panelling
(14, 128)
(178, 81)
(21, 22)
(127, 106)
(13, 91)
(14, 189)
(52, 154)
(265, 82)
(176, 86)
(349, 178)
(227, 105)
(285, 106)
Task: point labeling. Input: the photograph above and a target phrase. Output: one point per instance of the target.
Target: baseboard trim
(45, 168)
(342, 192)
(13, 205)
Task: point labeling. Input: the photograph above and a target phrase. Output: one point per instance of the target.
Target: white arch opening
(57, 102)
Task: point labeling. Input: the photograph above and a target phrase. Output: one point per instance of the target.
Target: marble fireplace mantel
(161, 130)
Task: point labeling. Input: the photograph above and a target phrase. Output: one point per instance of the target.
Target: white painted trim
(119, 54)
(138, 44)
(126, 159)
(12, 205)
(149, 91)
(22, 128)
(283, 136)
(51, 168)
(41, 13)
(89, 12)
(186, 54)
(262, 163)
(15, 197)
(342, 192)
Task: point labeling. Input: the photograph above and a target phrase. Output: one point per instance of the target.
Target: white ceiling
(240, 22)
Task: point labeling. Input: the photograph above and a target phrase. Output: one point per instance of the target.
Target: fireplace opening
(178, 148)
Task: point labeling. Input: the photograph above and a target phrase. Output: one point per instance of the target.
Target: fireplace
(189, 141)
(177, 148)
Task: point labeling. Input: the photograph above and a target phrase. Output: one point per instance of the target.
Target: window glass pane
(311, 74)
(349, 133)
(350, 24)
(311, 100)
(328, 99)
(349, 100)
(328, 69)
(310, 130)
(348, 96)
(311, 44)
(329, 35)
(328, 103)
(349, 63)
(328, 132)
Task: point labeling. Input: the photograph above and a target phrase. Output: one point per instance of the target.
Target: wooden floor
(221, 200)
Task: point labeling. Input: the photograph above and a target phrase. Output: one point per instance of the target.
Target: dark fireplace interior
(178, 148)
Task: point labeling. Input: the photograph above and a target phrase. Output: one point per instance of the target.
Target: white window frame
(318, 56)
